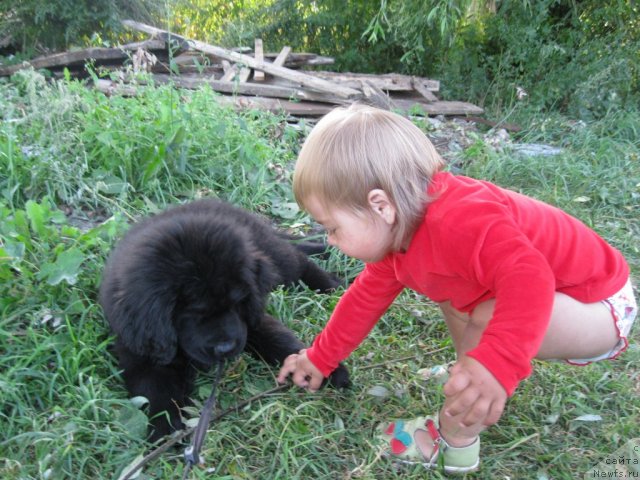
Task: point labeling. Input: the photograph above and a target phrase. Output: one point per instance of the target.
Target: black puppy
(188, 288)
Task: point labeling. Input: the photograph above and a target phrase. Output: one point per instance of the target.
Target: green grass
(63, 410)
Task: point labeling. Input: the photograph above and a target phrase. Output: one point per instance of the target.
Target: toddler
(516, 279)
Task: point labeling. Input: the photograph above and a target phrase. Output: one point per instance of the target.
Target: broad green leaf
(65, 268)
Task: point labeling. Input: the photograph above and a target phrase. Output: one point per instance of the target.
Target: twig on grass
(521, 441)
(185, 433)
(402, 359)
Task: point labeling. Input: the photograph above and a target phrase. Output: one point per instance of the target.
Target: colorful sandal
(398, 437)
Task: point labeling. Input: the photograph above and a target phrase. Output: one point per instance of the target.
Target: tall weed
(161, 145)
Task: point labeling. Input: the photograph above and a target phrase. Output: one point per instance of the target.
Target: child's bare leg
(589, 327)
(593, 322)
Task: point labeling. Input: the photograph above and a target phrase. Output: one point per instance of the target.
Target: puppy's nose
(224, 348)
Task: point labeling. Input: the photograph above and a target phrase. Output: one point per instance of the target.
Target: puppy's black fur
(187, 288)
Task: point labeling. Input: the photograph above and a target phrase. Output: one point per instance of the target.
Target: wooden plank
(422, 89)
(109, 87)
(295, 76)
(438, 108)
(376, 97)
(230, 72)
(79, 57)
(248, 88)
(258, 75)
(277, 105)
(300, 59)
(317, 109)
(306, 108)
(282, 56)
(388, 81)
(244, 74)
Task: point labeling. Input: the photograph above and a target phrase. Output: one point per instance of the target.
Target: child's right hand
(473, 393)
(303, 373)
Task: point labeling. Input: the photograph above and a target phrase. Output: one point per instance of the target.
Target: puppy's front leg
(273, 342)
(165, 386)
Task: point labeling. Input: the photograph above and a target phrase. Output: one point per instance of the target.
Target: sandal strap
(436, 437)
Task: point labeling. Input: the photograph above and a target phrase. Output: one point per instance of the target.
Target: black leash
(192, 452)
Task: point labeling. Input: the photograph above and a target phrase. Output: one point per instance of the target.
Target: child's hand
(474, 393)
(303, 373)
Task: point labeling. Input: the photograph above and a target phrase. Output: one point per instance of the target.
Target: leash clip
(190, 456)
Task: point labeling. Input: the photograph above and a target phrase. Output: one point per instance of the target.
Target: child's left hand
(303, 373)
(474, 393)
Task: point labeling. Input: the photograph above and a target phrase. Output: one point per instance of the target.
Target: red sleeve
(359, 309)
(491, 249)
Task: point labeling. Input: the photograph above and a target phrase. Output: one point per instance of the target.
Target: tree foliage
(58, 24)
(581, 56)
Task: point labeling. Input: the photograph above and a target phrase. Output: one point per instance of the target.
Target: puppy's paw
(340, 377)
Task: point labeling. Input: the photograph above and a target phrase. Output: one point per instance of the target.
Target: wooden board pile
(272, 81)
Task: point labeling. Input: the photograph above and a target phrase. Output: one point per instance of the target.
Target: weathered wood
(258, 75)
(388, 81)
(244, 74)
(230, 73)
(438, 108)
(226, 65)
(314, 109)
(305, 108)
(276, 105)
(80, 57)
(248, 88)
(300, 59)
(376, 97)
(295, 76)
(420, 87)
(109, 87)
(282, 56)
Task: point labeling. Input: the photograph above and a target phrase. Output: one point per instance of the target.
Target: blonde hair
(354, 150)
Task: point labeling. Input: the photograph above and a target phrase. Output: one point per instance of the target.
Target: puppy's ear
(142, 317)
(264, 274)
(259, 278)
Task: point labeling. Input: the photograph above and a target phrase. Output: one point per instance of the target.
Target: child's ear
(381, 205)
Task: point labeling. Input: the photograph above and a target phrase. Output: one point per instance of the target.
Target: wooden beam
(305, 108)
(282, 56)
(388, 81)
(248, 88)
(258, 75)
(230, 72)
(422, 89)
(80, 57)
(244, 74)
(438, 108)
(295, 76)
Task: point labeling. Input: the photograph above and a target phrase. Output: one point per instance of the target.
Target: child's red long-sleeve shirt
(478, 241)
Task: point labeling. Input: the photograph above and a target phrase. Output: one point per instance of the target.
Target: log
(292, 75)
